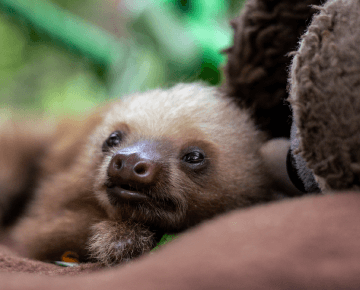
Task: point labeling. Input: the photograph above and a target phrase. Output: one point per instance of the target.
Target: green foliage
(164, 240)
(56, 68)
(41, 76)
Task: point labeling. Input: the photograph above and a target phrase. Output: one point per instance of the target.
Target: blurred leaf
(12, 44)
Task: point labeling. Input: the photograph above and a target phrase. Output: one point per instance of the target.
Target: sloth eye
(194, 157)
(113, 140)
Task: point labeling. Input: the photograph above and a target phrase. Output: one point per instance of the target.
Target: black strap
(292, 172)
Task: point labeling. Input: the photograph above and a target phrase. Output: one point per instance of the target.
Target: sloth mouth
(118, 194)
(124, 192)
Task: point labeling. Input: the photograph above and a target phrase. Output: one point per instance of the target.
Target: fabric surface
(10, 262)
(310, 242)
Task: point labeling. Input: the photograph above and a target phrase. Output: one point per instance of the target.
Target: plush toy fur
(323, 86)
(256, 71)
(256, 76)
(325, 90)
(181, 156)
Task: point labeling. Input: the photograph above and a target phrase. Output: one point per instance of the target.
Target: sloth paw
(115, 242)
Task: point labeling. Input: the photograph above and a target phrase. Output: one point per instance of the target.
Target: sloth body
(109, 186)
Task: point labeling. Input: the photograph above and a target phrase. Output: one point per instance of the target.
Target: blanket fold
(310, 242)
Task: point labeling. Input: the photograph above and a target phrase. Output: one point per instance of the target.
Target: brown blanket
(306, 243)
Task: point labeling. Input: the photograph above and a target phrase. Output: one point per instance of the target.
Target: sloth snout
(133, 171)
(125, 168)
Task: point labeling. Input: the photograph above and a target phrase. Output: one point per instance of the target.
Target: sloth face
(169, 159)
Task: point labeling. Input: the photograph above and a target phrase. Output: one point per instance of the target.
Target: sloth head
(172, 158)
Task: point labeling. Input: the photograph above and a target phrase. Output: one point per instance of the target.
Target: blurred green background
(68, 55)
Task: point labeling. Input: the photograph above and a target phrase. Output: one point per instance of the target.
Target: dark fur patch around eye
(113, 140)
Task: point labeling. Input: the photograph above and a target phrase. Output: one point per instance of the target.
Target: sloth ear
(256, 70)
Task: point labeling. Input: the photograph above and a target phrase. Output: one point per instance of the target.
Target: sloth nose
(133, 166)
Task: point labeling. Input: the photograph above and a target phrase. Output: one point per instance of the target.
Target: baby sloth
(109, 187)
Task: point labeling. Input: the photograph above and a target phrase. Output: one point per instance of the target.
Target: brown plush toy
(325, 91)
(256, 76)
(324, 85)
